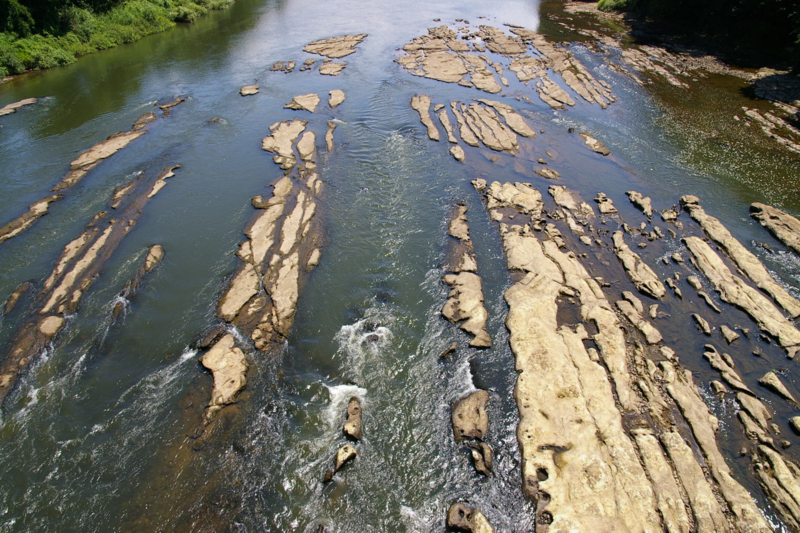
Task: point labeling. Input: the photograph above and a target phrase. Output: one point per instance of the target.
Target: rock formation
(335, 47)
(304, 102)
(249, 90)
(463, 518)
(353, 425)
(12, 108)
(336, 98)
(155, 254)
(469, 418)
(783, 226)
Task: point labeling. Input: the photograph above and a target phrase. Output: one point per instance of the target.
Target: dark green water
(86, 438)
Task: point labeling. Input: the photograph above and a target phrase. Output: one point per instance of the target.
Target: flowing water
(88, 439)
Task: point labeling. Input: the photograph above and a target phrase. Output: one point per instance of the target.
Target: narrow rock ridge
(744, 259)
(77, 171)
(735, 291)
(282, 244)
(464, 304)
(80, 264)
(778, 475)
(638, 271)
(613, 436)
(15, 296)
(155, 254)
(493, 124)
(783, 226)
(595, 145)
(14, 107)
(776, 128)
(458, 57)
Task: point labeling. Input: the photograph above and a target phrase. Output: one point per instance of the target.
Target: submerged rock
(304, 102)
(595, 145)
(12, 108)
(482, 457)
(470, 519)
(11, 303)
(548, 173)
(469, 418)
(35, 211)
(283, 66)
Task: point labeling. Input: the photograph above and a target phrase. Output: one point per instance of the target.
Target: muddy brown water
(98, 434)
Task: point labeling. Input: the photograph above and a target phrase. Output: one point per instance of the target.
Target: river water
(94, 438)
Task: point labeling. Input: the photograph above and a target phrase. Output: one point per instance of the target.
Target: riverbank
(90, 32)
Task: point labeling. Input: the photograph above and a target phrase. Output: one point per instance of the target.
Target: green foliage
(616, 5)
(48, 33)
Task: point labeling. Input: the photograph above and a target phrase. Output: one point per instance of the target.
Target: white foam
(339, 396)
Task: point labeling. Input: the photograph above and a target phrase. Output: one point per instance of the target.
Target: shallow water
(88, 438)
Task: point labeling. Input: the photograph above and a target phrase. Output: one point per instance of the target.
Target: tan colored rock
(13, 299)
(249, 90)
(594, 144)
(771, 381)
(12, 108)
(605, 205)
(421, 104)
(458, 153)
(464, 518)
(448, 128)
(783, 226)
(651, 334)
(306, 146)
(330, 68)
(35, 211)
(304, 102)
(639, 273)
(353, 425)
(780, 479)
(229, 367)
(335, 47)
(744, 259)
(735, 291)
(644, 205)
(283, 66)
(464, 131)
(465, 306)
(329, 136)
(280, 141)
(702, 324)
(548, 173)
(344, 455)
(51, 325)
(336, 98)
(513, 119)
(728, 334)
(469, 418)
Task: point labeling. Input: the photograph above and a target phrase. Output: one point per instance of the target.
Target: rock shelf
(304, 102)
(613, 434)
(335, 47)
(76, 270)
(14, 107)
(464, 304)
(78, 170)
(747, 262)
(442, 55)
(733, 290)
(783, 226)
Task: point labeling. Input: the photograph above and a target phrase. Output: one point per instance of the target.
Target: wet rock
(11, 303)
(728, 334)
(605, 205)
(642, 203)
(744, 259)
(463, 518)
(35, 211)
(229, 367)
(335, 47)
(421, 104)
(783, 226)
(353, 425)
(166, 108)
(211, 337)
(465, 306)
(344, 455)
(548, 173)
(771, 381)
(336, 98)
(458, 153)
(330, 68)
(735, 291)
(639, 273)
(513, 119)
(794, 423)
(469, 418)
(445, 120)
(283, 66)
(594, 144)
(304, 102)
(482, 457)
(634, 314)
(779, 478)
(718, 388)
(12, 108)
(449, 351)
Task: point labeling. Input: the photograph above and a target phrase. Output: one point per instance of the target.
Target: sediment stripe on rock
(80, 264)
(744, 259)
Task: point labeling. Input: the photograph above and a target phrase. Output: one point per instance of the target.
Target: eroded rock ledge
(464, 304)
(783, 226)
(78, 170)
(80, 264)
(461, 57)
(282, 244)
(614, 436)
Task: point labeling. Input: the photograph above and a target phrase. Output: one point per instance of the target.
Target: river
(94, 435)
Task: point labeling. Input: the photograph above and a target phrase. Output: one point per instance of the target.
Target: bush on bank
(47, 33)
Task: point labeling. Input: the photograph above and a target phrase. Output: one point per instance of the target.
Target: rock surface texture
(783, 226)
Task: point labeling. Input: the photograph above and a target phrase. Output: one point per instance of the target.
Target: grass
(89, 32)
